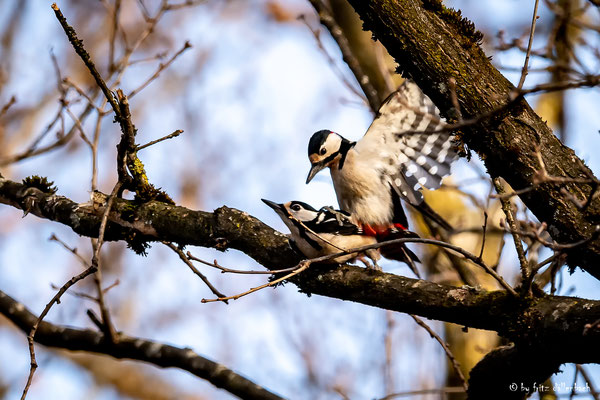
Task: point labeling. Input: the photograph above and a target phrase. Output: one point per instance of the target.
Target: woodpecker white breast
(322, 232)
(393, 160)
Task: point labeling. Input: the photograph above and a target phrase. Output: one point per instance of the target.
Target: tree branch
(161, 355)
(564, 322)
(433, 45)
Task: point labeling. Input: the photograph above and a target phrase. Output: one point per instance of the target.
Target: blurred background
(260, 78)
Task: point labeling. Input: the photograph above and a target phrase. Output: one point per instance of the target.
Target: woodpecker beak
(316, 167)
(275, 206)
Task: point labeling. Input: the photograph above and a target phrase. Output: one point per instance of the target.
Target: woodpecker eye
(296, 207)
(323, 151)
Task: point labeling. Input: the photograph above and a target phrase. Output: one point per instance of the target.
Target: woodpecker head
(296, 209)
(324, 148)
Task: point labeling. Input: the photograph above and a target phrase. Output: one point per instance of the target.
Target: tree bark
(568, 323)
(432, 45)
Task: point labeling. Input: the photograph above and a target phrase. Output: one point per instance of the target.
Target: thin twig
(161, 67)
(67, 81)
(109, 329)
(388, 375)
(113, 35)
(56, 299)
(86, 296)
(79, 126)
(507, 208)
(184, 4)
(73, 250)
(454, 98)
(169, 136)
(453, 360)
(216, 265)
(331, 61)
(536, 235)
(303, 265)
(528, 53)
(8, 105)
(328, 20)
(31, 336)
(85, 57)
(361, 249)
(195, 270)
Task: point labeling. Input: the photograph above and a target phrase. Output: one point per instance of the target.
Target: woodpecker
(391, 162)
(323, 232)
(329, 231)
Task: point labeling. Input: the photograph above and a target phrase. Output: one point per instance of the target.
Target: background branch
(161, 355)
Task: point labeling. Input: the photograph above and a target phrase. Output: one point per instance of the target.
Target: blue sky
(247, 111)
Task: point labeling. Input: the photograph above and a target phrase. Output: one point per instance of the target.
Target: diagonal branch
(161, 355)
(434, 44)
(564, 322)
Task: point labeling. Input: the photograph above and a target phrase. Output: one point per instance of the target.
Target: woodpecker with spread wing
(327, 231)
(391, 162)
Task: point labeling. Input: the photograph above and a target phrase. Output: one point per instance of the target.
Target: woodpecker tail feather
(430, 214)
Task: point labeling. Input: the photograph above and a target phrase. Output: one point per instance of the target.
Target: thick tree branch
(511, 373)
(433, 45)
(156, 221)
(161, 355)
(550, 320)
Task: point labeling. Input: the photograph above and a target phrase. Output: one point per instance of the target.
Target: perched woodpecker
(323, 232)
(327, 231)
(391, 162)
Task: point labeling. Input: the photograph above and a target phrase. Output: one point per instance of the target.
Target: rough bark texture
(547, 321)
(155, 221)
(432, 45)
(510, 373)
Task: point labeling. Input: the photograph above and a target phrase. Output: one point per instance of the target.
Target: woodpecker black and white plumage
(328, 231)
(323, 232)
(391, 162)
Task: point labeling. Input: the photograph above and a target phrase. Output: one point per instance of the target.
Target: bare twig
(454, 98)
(183, 4)
(32, 150)
(85, 57)
(134, 348)
(528, 53)
(388, 375)
(31, 336)
(453, 360)
(507, 208)
(195, 270)
(536, 235)
(331, 61)
(56, 299)
(109, 329)
(336, 32)
(303, 265)
(161, 67)
(113, 35)
(169, 136)
(8, 105)
(216, 265)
